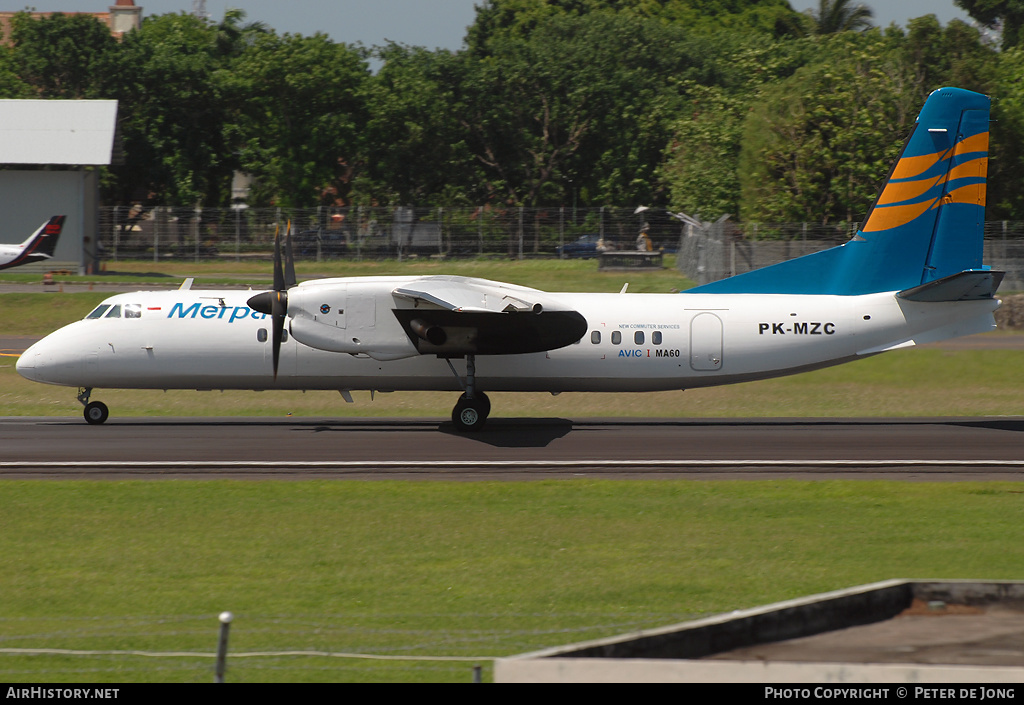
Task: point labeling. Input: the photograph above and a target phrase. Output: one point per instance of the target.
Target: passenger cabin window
(595, 337)
(115, 311)
(261, 335)
(133, 311)
(656, 337)
(638, 337)
(616, 337)
(99, 311)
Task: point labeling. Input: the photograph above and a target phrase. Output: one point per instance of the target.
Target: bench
(627, 259)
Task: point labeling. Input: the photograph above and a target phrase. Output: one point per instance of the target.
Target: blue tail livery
(927, 224)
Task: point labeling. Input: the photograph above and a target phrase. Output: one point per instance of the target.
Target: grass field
(546, 274)
(467, 570)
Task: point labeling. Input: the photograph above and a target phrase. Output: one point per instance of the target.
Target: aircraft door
(706, 342)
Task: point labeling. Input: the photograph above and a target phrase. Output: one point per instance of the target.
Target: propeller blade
(275, 303)
(289, 260)
(278, 268)
(279, 308)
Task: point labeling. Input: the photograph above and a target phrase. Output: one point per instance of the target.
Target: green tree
(1007, 14)
(11, 85)
(62, 56)
(168, 78)
(700, 167)
(816, 145)
(519, 18)
(581, 104)
(946, 56)
(414, 145)
(840, 16)
(1006, 148)
(301, 107)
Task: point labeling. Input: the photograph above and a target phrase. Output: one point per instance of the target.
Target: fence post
(521, 234)
(117, 236)
(238, 234)
(156, 234)
(440, 232)
(319, 231)
(195, 230)
(222, 646)
(561, 232)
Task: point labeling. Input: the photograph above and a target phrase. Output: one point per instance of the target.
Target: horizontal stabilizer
(971, 285)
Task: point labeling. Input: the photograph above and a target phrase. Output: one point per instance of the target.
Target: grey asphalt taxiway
(927, 449)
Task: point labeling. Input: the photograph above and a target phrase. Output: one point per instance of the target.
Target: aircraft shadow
(514, 433)
(993, 424)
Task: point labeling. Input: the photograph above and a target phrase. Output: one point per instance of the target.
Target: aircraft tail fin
(44, 240)
(48, 235)
(40, 245)
(927, 223)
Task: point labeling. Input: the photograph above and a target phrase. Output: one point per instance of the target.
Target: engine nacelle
(378, 344)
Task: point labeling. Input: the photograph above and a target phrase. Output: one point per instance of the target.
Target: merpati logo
(325, 309)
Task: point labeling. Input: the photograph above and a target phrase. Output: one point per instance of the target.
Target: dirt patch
(1010, 316)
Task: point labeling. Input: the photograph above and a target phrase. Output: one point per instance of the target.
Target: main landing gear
(95, 412)
(471, 411)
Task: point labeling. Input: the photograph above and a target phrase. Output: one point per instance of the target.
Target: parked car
(584, 247)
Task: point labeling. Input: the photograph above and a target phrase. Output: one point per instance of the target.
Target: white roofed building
(75, 135)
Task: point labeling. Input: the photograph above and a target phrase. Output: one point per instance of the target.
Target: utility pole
(199, 9)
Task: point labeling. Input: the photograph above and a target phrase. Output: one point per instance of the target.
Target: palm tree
(838, 16)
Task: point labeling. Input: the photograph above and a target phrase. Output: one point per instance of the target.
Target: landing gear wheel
(470, 414)
(96, 412)
(482, 401)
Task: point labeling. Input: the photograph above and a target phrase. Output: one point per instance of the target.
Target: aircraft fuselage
(195, 339)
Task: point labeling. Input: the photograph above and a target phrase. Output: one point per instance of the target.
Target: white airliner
(912, 274)
(39, 245)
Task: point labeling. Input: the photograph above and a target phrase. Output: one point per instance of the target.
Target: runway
(929, 449)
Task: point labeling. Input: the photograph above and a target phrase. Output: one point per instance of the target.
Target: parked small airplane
(912, 274)
(39, 246)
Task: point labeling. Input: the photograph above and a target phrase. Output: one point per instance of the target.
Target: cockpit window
(115, 311)
(98, 311)
(133, 311)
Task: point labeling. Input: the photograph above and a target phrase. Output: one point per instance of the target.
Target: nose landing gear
(95, 412)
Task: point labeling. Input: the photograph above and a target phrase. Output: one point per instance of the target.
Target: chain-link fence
(705, 251)
(372, 233)
(711, 251)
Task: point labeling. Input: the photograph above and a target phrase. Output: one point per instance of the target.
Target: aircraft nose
(27, 363)
(46, 362)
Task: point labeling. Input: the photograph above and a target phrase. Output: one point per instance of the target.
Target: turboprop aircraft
(912, 274)
(39, 245)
